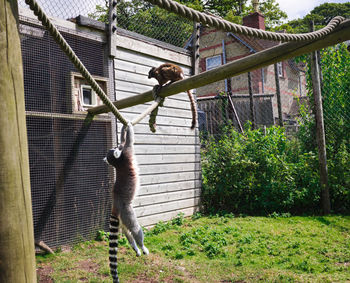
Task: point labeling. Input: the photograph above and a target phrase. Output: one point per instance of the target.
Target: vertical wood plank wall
(169, 160)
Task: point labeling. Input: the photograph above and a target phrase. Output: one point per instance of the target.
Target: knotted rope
(221, 24)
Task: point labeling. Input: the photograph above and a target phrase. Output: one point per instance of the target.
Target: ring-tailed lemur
(171, 72)
(124, 191)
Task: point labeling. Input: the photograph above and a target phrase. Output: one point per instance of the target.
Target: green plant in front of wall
(258, 173)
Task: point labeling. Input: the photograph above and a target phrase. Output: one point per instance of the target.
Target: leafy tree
(321, 15)
(224, 8)
(141, 17)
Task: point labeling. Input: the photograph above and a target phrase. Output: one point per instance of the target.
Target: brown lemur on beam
(169, 72)
(127, 183)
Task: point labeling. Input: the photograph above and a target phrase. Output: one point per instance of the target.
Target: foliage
(152, 21)
(321, 15)
(161, 227)
(259, 249)
(336, 107)
(258, 174)
(102, 235)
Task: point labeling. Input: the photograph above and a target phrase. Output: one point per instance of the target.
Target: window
(88, 96)
(83, 96)
(213, 62)
(280, 69)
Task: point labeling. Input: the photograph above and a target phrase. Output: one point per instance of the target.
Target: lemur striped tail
(113, 247)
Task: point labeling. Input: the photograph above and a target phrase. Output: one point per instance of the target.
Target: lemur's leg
(129, 220)
(131, 241)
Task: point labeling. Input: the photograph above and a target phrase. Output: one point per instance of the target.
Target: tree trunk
(17, 260)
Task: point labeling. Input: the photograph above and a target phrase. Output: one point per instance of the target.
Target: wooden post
(112, 28)
(251, 101)
(195, 48)
(320, 133)
(17, 256)
(235, 113)
(278, 94)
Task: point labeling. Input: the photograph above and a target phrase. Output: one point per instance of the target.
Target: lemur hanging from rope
(169, 72)
(125, 188)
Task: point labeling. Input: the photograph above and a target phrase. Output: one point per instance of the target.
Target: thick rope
(74, 58)
(221, 24)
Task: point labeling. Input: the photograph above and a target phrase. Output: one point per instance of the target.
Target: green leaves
(258, 173)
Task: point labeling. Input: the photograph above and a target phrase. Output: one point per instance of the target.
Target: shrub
(258, 173)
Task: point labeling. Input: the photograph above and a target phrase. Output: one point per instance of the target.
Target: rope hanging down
(221, 24)
(74, 58)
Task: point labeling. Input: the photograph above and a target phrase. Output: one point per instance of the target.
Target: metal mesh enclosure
(70, 182)
(136, 16)
(154, 22)
(146, 19)
(66, 9)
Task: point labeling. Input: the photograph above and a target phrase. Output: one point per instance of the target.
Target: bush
(259, 173)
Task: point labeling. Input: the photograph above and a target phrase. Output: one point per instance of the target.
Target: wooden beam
(241, 66)
(17, 255)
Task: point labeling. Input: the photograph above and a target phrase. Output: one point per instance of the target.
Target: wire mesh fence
(136, 16)
(70, 183)
(66, 9)
(154, 22)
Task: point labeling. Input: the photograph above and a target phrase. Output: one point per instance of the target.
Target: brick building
(218, 47)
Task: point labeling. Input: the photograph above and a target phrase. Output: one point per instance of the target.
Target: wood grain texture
(17, 261)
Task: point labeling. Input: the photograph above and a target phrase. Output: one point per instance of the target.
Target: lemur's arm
(129, 141)
(123, 134)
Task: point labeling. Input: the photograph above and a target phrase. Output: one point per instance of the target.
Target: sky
(299, 8)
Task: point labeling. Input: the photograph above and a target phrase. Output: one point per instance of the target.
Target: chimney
(255, 20)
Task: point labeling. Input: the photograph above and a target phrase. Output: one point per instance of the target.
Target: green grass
(219, 249)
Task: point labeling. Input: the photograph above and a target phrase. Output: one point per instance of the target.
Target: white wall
(169, 159)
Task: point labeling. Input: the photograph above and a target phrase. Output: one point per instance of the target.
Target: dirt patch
(345, 264)
(88, 266)
(43, 274)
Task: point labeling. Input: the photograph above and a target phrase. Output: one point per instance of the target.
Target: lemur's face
(151, 73)
(113, 155)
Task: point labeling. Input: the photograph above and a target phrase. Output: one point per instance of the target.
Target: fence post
(278, 94)
(195, 48)
(320, 133)
(112, 28)
(17, 256)
(251, 101)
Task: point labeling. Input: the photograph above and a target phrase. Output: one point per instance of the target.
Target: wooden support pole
(17, 255)
(235, 113)
(112, 28)
(241, 66)
(251, 101)
(320, 133)
(195, 48)
(278, 94)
